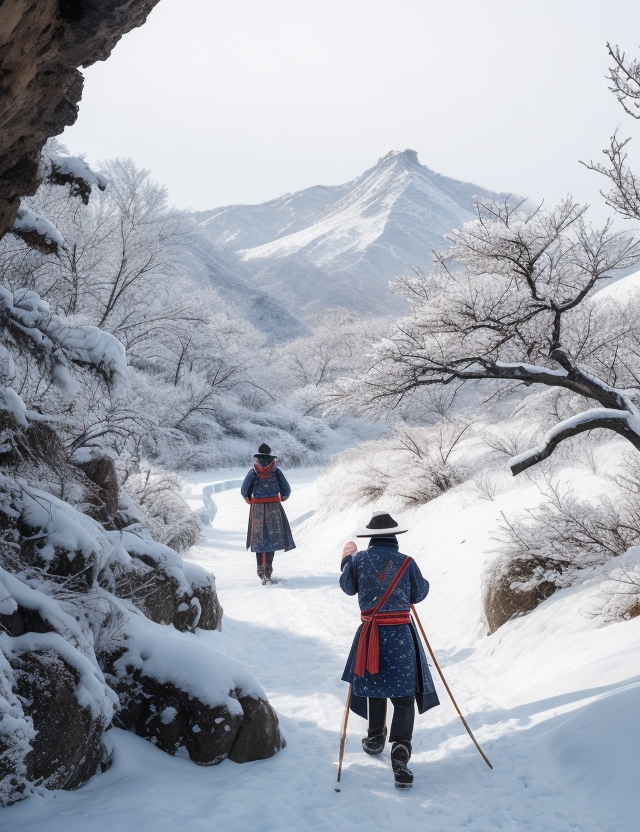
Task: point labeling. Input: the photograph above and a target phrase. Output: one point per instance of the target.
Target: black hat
(381, 523)
(264, 451)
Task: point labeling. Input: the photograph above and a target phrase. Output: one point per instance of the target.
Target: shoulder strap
(394, 583)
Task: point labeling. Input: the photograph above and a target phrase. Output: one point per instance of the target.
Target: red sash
(368, 652)
(275, 499)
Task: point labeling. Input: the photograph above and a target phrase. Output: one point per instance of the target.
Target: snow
(86, 345)
(358, 218)
(621, 291)
(61, 526)
(28, 220)
(91, 691)
(76, 167)
(11, 403)
(141, 544)
(160, 652)
(48, 609)
(573, 422)
(552, 697)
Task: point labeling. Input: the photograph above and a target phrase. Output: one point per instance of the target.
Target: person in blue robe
(402, 673)
(265, 488)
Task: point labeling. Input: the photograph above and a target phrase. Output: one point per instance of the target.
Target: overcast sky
(235, 101)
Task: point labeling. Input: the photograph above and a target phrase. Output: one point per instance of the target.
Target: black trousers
(403, 717)
(268, 558)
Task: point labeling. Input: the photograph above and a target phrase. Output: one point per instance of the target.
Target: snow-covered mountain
(341, 245)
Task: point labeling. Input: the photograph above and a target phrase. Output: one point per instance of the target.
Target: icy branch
(30, 320)
(621, 422)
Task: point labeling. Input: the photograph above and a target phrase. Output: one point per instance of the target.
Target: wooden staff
(343, 735)
(455, 704)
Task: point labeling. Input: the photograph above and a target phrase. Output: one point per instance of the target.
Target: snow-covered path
(554, 701)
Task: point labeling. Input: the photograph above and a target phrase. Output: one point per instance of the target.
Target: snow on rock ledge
(37, 231)
(75, 172)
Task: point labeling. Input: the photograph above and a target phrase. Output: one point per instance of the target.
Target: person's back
(371, 571)
(265, 487)
(387, 660)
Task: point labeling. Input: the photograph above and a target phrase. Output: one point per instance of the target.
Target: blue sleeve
(247, 485)
(285, 488)
(419, 586)
(349, 577)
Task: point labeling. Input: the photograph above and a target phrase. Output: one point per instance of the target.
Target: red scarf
(264, 472)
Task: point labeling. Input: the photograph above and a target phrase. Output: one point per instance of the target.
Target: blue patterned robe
(269, 528)
(403, 665)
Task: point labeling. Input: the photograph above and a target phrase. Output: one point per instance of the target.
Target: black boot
(400, 756)
(262, 573)
(373, 743)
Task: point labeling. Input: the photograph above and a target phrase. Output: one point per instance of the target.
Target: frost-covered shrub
(554, 543)
(620, 594)
(169, 518)
(409, 468)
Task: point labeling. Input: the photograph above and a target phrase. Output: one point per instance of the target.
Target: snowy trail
(553, 723)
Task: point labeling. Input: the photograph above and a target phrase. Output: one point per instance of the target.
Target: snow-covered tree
(513, 302)
(624, 193)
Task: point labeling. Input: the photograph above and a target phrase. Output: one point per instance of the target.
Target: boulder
(203, 585)
(183, 725)
(67, 749)
(259, 735)
(516, 586)
(175, 721)
(167, 589)
(160, 596)
(188, 699)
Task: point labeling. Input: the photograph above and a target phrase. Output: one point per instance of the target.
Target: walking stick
(455, 704)
(343, 735)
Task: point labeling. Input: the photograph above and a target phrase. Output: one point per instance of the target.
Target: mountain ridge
(340, 245)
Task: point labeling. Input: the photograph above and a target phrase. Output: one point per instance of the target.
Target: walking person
(387, 660)
(265, 488)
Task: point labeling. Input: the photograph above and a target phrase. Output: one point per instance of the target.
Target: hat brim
(364, 532)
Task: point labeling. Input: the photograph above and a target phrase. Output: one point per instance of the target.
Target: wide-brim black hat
(265, 450)
(381, 523)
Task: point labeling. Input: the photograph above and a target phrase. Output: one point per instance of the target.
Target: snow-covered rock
(189, 699)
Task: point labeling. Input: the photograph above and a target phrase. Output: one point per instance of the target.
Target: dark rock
(161, 597)
(182, 725)
(68, 748)
(103, 499)
(41, 45)
(173, 720)
(158, 596)
(516, 586)
(75, 566)
(203, 585)
(37, 443)
(23, 620)
(259, 734)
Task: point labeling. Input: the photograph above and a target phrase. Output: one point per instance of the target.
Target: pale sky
(240, 101)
